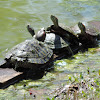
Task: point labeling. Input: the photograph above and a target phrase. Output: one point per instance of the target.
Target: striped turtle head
(40, 36)
(82, 27)
(55, 21)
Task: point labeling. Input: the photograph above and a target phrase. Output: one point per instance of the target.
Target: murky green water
(16, 14)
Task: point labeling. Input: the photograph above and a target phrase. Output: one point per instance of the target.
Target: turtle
(54, 41)
(30, 54)
(64, 31)
(88, 34)
(90, 30)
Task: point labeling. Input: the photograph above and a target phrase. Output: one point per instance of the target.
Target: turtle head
(40, 36)
(81, 27)
(54, 20)
(30, 30)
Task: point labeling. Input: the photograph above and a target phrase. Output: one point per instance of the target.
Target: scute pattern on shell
(55, 41)
(91, 30)
(67, 28)
(31, 51)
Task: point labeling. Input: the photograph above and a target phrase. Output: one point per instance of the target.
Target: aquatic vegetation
(71, 78)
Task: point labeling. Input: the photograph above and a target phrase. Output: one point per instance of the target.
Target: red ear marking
(30, 29)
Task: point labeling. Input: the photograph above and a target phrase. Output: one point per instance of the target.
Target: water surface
(14, 17)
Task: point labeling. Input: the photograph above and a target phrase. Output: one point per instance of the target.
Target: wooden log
(9, 76)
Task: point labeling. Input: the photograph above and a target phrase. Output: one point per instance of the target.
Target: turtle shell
(91, 31)
(75, 29)
(93, 28)
(67, 28)
(55, 41)
(30, 51)
(95, 24)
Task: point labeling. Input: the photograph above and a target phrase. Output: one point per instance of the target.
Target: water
(14, 17)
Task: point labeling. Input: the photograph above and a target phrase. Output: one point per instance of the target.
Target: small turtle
(30, 54)
(54, 41)
(64, 31)
(90, 30)
(88, 35)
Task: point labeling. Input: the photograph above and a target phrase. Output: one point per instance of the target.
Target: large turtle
(54, 41)
(64, 31)
(30, 54)
(88, 34)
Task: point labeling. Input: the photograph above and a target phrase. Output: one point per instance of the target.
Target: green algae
(67, 71)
